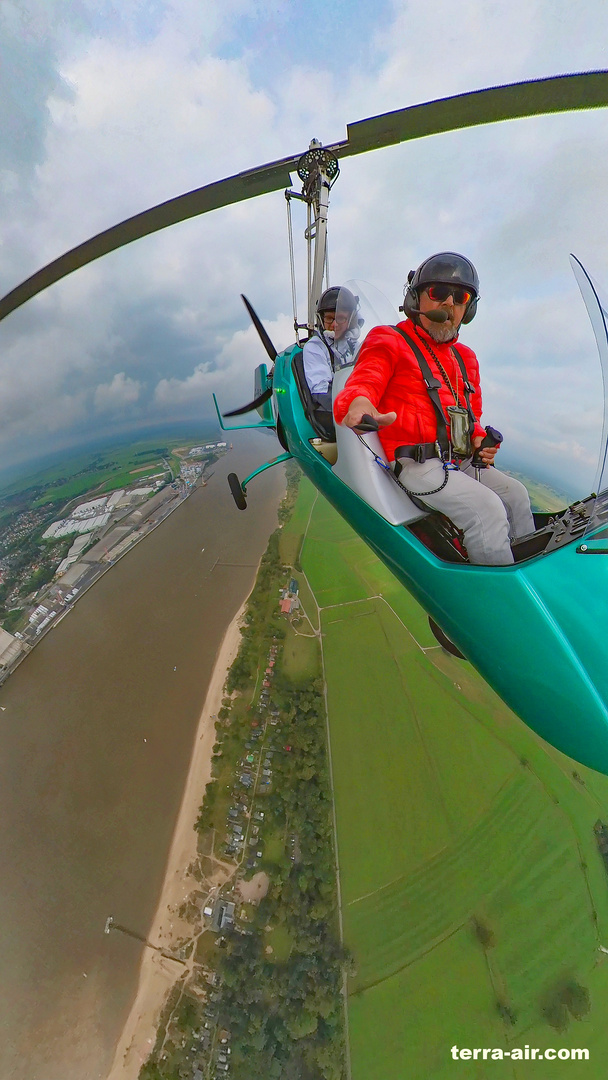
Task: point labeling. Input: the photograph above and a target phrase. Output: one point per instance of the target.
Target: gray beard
(441, 332)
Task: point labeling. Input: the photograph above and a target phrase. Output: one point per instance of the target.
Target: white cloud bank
(116, 395)
(142, 104)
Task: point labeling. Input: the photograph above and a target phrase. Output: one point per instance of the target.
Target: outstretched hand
(361, 406)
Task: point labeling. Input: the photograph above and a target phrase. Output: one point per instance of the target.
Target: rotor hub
(317, 160)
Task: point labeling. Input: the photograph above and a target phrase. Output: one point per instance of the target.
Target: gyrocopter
(547, 654)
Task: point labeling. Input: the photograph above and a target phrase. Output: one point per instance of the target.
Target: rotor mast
(318, 170)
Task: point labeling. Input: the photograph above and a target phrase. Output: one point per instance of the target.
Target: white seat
(356, 468)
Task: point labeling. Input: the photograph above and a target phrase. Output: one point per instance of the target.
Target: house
(223, 915)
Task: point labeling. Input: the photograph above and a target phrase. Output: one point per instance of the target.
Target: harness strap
(419, 452)
(432, 384)
(330, 352)
(468, 389)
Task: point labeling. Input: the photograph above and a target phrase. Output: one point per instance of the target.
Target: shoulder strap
(432, 384)
(468, 389)
(330, 351)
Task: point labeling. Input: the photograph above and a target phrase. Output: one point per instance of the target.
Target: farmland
(474, 898)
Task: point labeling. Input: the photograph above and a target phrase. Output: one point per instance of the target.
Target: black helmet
(340, 298)
(449, 268)
(337, 296)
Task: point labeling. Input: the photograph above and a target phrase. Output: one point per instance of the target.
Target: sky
(107, 109)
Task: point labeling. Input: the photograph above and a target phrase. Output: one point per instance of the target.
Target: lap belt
(420, 452)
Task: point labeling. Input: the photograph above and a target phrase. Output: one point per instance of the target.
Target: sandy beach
(158, 974)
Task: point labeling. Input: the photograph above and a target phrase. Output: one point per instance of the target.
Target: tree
(484, 933)
(556, 1015)
(576, 999)
(304, 1023)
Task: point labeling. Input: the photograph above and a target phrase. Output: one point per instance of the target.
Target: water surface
(87, 806)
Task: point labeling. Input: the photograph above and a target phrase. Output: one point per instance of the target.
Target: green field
(300, 655)
(469, 872)
(105, 469)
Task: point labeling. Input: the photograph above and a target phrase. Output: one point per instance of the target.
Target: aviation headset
(446, 268)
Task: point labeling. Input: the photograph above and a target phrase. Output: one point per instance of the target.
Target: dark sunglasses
(438, 293)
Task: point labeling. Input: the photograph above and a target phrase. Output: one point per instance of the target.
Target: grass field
(293, 532)
(300, 655)
(105, 468)
(108, 471)
(451, 816)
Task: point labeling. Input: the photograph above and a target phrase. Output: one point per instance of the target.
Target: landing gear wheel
(236, 491)
(444, 640)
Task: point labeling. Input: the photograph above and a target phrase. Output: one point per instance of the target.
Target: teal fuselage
(536, 631)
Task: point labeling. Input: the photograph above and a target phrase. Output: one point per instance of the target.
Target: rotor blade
(252, 404)
(257, 322)
(245, 185)
(561, 93)
(583, 90)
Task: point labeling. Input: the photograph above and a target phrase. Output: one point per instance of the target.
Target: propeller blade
(252, 404)
(561, 93)
(257, 322)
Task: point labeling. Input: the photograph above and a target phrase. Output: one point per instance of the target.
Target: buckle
(419, 454)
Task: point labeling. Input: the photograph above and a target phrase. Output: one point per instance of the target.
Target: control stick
(367, 423)
(492, 438)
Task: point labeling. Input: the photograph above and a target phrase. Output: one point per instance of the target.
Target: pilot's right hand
(361, 406)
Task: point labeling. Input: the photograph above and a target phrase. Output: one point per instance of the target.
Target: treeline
(262, 620)
(282, 1003)
(286, 1019)
(293, 474)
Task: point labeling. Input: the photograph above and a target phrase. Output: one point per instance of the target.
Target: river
(95, 741)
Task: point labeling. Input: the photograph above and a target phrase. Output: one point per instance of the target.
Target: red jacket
(388, 373)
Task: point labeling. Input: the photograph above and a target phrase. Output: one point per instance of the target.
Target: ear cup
(471, 311)
(410, 302)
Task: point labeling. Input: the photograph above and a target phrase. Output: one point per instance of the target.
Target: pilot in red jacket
(387, 383)
(388, 374)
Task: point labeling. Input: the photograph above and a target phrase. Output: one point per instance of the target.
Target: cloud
(130, 106)
(116, 395)
(231, 376)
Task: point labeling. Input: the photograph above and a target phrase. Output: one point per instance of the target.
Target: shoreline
(158, 974)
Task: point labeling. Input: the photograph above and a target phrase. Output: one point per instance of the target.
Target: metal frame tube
(262, 468)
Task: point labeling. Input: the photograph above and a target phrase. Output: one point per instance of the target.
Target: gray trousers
(490, 510)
